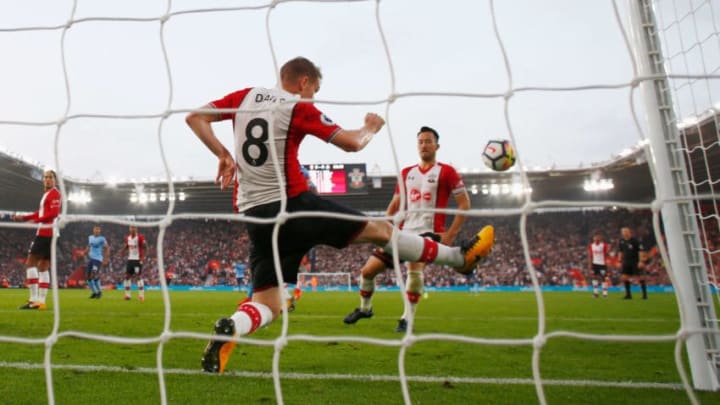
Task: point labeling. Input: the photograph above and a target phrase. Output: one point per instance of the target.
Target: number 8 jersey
(266, 114)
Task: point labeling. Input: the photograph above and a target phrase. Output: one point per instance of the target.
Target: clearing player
(135, 246)
(428, 185)
(38, 258)
(279, 111)
(597, 261)
(97, 252)
(632, 259)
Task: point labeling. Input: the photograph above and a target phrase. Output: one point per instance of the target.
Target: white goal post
(339, 281)
(674, 196)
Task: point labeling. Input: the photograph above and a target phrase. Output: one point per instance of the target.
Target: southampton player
(632, 259)
(428, 185)
(279, 115)
(135, 246)
(38, 258)
(97, 252)
(597, 261)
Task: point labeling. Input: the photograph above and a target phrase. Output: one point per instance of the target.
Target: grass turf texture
(442, 372)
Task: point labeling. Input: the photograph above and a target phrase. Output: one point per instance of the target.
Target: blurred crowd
(215, 252)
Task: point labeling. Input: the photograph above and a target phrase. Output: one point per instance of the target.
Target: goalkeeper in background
(260, 113)
(427, 185)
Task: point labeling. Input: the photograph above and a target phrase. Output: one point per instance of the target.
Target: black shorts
(599, 269)
(297, 236)
(40, 247)
(133, 268)
(631, 270)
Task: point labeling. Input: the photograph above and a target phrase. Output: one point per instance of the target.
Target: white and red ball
(499, 155)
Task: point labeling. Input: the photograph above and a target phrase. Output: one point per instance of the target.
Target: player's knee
(377, 232)
(379, 261)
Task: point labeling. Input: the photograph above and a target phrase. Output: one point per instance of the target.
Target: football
(499, 155)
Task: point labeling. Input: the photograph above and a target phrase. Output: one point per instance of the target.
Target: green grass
(443, 372)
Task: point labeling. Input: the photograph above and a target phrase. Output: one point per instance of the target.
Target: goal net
(84, 80)
(325, 281)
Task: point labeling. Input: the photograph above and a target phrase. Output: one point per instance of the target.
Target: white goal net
(84, 80)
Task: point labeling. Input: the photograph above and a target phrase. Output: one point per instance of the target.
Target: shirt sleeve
(453, 180)
(309, 120)
(232, 100)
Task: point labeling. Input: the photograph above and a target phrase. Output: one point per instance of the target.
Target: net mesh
(693, 64)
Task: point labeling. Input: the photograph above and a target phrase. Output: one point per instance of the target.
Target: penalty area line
(352, 377)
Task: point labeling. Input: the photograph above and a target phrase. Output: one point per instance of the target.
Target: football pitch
(574, 371)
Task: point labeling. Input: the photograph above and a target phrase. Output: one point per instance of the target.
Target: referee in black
(632, 259)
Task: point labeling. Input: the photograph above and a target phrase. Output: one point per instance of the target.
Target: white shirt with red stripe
(429, 189)
(135, 245)
(599, 252)
(262, 112)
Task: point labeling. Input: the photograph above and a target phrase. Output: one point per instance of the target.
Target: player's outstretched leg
(217, 352)
(476, 248)
(248, 318)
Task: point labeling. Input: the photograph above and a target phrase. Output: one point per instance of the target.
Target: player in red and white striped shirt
(597, 261)
(269, 126)
(38, 259)
(135, 246)
(427, 185)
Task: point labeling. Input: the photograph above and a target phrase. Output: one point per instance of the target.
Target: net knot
(282, 217)
(280, 343)
(539, 342)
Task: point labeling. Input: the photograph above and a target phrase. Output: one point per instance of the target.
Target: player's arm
(354, 140)
(463, 202)
(106, 253)
(143, 243)
(201, 125)
(394, 205)
(590, 256)
(24, 218)
(643, 256)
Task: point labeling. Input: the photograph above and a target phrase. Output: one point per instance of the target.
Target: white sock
(415, 248)
(250, 316)
(367, 288)
(595, 287)
(32, 278)
(413, 290)
(43, 285)
(141, 288)
(127, 285)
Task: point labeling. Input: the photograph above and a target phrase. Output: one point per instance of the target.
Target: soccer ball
(499, 155)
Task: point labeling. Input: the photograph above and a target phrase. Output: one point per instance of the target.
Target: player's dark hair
(428, 129)
(53, 173)
(298, 67)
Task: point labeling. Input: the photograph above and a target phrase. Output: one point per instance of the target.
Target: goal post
(338, 281)
(675, 200)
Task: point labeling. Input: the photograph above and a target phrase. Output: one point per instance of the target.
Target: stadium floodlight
(594, 185)
(152, 197)
(80, 197)
(474, 189)
(133, 198)
(163, 196)
(182, 196)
